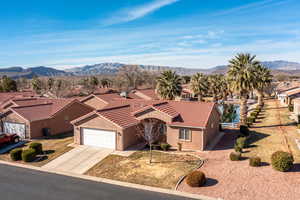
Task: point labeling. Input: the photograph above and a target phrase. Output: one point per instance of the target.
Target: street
(20, 183)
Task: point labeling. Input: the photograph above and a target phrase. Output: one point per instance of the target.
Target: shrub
(16, 154)
(196, 179)
(238, 149)
(235, 156)
(282, 161)
(298, 126)
(241, 142)
(255, 161)
(28, 155)
(37, 147)
(254, 114)
(165, 146)
(244, 130)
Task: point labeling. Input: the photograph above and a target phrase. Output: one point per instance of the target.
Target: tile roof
(122, 112)
(6, 96)
(150, 93)
(293, 92)
(40, 108)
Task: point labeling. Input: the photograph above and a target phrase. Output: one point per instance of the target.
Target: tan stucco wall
(212, 129)
(195, 143)
(95, 103)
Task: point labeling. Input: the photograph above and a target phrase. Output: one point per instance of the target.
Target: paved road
(26, 184)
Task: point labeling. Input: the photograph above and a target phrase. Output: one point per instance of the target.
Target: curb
(113, 182)
(183, 177)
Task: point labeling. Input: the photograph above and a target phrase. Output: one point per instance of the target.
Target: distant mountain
(279, 66)
(17, 72)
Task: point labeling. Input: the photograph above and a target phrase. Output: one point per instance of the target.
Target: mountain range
(279, 66)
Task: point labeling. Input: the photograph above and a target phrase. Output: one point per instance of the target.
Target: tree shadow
(264, 164)
(254, 137)
(210, 182)
(41, 158)
(277, 125)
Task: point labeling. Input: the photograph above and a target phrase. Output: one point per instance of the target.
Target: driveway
(78, 160)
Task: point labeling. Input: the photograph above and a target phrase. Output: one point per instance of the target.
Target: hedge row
(27, 155)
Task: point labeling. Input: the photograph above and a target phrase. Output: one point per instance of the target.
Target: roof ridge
(114, 107)
(40, 104)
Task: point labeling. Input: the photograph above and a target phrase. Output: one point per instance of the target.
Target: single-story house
(38, 117)
(193, 124)
(7, 96)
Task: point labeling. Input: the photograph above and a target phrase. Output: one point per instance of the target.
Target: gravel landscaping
(236, 180)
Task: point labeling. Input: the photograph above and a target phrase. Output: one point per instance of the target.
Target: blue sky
(184, 33)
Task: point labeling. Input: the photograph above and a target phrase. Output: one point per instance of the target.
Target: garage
(14, 128)
(98, 138)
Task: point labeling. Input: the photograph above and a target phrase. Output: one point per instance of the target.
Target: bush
(244, 130)
(196, 179)
(235, 156)
(37, 147)
(298, 126)
(241, 142)
(28, 155)
(255, 161)
(238, 149)
(254, 114)
(282, 161)
(165, 146)
(16, 154)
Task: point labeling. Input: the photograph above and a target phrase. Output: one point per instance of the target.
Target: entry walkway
(78, 160)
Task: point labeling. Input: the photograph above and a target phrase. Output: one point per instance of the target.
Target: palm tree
(241, 77)
(214, 82)
(169, 85)
(199, 85)
(263, 80)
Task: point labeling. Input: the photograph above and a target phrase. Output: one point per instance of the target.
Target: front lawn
(164, 172)
(53, 148)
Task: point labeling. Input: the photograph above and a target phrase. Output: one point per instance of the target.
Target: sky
(180, 33)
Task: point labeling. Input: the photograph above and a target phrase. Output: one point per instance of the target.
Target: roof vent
(124, 94)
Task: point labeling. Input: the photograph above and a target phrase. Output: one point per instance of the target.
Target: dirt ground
(53, 148)
(236, 180)
(163, 172)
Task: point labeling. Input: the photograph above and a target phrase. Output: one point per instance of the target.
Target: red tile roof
(150, 93)
(40, 108)
(6, 96)
(122, 112)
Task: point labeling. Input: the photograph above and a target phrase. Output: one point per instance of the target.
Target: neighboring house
(38, 117)
(99, 101)
(193, 124)
(7, 96)
(296, 110)
(288, 96)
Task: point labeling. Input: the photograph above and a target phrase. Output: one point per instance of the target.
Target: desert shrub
(241, 142)
(253, 114)
(165, 146)
(238, 148)
(37, 147)
(298, 126)
(196, 179)
(252, 119)
(244, 130)
(291, 108)
(28, 155)
(282, 161)
(255, 161)
(16, 154)
(235, 156)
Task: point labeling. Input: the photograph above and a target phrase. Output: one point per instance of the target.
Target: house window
(185, 134)
(163, 129)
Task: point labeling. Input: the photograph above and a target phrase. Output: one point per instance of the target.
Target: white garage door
(14, 128)
(98, 138)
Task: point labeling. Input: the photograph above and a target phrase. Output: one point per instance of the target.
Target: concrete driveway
(78, 160)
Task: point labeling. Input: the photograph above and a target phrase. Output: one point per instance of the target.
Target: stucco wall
(195, 143)
(212, 128)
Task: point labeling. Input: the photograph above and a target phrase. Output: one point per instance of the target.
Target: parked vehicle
(9, 138)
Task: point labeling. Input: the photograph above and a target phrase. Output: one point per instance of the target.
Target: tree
(263, 80)
(241, 77)
(149, 130)
(186, 79)
(8, 84)
(36, 84)
(199, 85)
(105, 83)
(50, 83)
(94, 82)
(214, 84)
(131, 75)
(169, 85)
